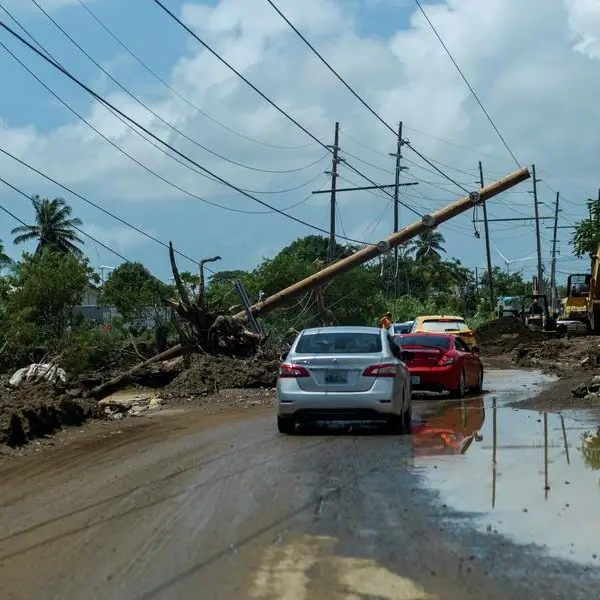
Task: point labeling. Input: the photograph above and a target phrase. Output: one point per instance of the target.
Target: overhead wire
(94, 94)
(353, 92)
(159, 117)
(435, 31)
(140, 134)
(258, 91)
(178, 94)
(135, 160)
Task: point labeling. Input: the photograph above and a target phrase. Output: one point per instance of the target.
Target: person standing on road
(386, 320)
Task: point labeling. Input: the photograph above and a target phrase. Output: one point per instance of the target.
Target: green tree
(5, 260)
(140, 299)
(428, 245)
(586, 235)
(506, 284)
(54, 227)
(46, 286)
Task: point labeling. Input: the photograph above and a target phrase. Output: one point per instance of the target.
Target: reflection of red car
(442, 362)
(450, 428)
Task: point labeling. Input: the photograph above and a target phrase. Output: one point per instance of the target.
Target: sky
(534, 65)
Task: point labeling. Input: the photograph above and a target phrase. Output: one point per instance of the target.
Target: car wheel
(395, 424)
(286, 425)
(479, 387)
(407, 421)
(460, 391)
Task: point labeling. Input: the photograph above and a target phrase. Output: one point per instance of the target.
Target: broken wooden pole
(475, 198)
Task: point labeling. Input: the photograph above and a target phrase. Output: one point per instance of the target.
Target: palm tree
(429, 244)
(54, 227)
(5, 259)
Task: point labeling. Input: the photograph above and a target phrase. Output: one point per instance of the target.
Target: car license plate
(336, 378)
(415, 380)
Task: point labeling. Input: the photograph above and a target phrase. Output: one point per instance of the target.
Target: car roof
(434, 317)
(433, 333)
(342, 329)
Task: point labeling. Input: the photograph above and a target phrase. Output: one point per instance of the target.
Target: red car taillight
(384, 370)
(445, 360)
(287, 371)
(467, 334)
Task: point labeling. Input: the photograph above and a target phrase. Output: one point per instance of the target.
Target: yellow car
(444, 324)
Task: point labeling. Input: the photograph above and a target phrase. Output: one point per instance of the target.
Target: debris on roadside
(120, 405)
(38, 371)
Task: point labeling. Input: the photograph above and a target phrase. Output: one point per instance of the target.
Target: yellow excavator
(582, 304)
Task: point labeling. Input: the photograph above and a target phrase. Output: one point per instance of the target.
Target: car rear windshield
(339, 343)
(441, 326)
(402, 328)
(438, 341)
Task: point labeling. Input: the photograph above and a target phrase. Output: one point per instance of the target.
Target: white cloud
(529, 62)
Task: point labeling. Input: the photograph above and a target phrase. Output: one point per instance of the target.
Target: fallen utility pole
(396, 239)
(488, 254)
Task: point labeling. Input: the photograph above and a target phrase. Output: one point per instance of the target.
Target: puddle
(545, 485)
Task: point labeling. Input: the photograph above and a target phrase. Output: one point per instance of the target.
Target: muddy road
(229, 509)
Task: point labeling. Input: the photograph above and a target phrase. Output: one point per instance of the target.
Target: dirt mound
(504, 335)
(209, 374)
(38, 409)
(562, 357)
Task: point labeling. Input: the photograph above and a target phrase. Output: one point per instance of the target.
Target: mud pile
(210, 374)
(504, 335)
(561, 357)
(38, 409)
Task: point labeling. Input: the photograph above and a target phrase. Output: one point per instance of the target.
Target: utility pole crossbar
(396, 239)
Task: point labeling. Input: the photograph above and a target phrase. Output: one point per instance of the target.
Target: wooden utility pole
(553, 272)
(396, 239)
(540, 272)
(488, 254)
(399, 169)
(332, 207)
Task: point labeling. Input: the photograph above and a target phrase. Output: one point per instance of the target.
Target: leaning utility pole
(540, 272)
(427, 223)
(399, 169)
(332, 207)
(553, 272)
(488, 254)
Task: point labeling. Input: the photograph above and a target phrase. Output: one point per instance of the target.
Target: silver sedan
(344, 373)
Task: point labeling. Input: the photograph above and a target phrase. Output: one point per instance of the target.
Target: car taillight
(467, 334)
(445, 360)
(385, 370)
(287, 371)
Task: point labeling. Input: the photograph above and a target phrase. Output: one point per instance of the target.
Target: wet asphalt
(481, 501)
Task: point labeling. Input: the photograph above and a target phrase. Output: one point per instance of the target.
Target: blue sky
(381, 46)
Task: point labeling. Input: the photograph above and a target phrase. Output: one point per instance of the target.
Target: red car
(442, 363)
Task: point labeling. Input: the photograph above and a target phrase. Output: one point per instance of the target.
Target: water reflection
(531, 476)
(449, 428)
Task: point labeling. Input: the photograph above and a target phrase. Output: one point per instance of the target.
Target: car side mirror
(475, 349)
(406, 355)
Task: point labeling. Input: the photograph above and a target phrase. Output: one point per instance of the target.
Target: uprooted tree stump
(200, 328)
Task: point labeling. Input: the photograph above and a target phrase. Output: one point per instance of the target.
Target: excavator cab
(535, 312)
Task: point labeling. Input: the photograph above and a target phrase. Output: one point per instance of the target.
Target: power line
(178, 94)
(259, 92)
(138, 133)
(418, 3)
(156, 115)
(355, 94)
(135, 160)
(160, 140)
